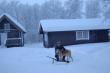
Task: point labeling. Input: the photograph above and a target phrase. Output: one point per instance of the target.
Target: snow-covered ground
(88, 58)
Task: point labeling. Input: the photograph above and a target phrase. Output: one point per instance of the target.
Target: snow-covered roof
(14, 21)
(73, 24)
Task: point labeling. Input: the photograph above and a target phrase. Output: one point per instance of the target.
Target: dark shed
(11, 32)
(74, 31)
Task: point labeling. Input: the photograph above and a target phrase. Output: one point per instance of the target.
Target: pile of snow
(88, 58)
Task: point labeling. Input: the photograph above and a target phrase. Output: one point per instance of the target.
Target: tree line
(30, 15)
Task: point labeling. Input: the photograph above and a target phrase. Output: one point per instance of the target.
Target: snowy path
(88, 58)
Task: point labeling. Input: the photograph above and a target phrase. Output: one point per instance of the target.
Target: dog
(66, 53)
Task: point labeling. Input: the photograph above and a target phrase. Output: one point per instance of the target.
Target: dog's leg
(53, 61)
(71, 58)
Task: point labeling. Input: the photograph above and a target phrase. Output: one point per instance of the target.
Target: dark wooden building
(11, 32)
(73, 31)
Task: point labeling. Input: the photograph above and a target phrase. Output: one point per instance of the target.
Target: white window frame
(7, 26)
(80, 35)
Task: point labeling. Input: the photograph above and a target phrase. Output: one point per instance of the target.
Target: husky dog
(66, 53)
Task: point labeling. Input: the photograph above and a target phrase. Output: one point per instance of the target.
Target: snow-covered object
(74, 24)
(14, 21)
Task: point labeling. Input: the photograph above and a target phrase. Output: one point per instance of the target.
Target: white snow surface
(74, 24)
(88, 58)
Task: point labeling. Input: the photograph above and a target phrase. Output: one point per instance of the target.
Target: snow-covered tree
(51, 9)
(73, 9)
(93, 9)
(106, 9)
(29, 15)
(3, 7)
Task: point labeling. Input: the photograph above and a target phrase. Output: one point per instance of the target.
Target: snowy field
(88, 58)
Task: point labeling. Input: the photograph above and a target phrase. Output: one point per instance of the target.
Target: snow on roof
(73, 24)
(13, 20)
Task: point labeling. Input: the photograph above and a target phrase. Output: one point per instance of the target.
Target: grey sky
(31, 2)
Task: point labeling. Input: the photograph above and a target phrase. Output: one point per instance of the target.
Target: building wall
(45, 39)
(69, 37)
(19, 38)
(65, 38)
(95, 37)
(2, 25)
(12, 33)
(0, 39)
(99, 36)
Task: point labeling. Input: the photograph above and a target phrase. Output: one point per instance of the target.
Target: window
(82, 35)
(7, 26)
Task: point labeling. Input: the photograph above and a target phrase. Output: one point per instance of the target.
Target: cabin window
(82, 35)
(7, 26)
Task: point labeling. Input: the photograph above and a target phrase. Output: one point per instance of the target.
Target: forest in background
(30, 15)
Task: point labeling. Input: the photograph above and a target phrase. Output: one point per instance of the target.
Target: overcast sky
(31, 2)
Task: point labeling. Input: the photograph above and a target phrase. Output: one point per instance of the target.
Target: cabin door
(3, 39)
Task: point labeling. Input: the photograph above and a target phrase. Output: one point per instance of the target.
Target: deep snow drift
(88, 58)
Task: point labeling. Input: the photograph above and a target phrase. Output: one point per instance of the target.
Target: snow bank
(88, 58)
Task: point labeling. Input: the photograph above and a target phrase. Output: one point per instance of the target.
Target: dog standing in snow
(66, 53)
